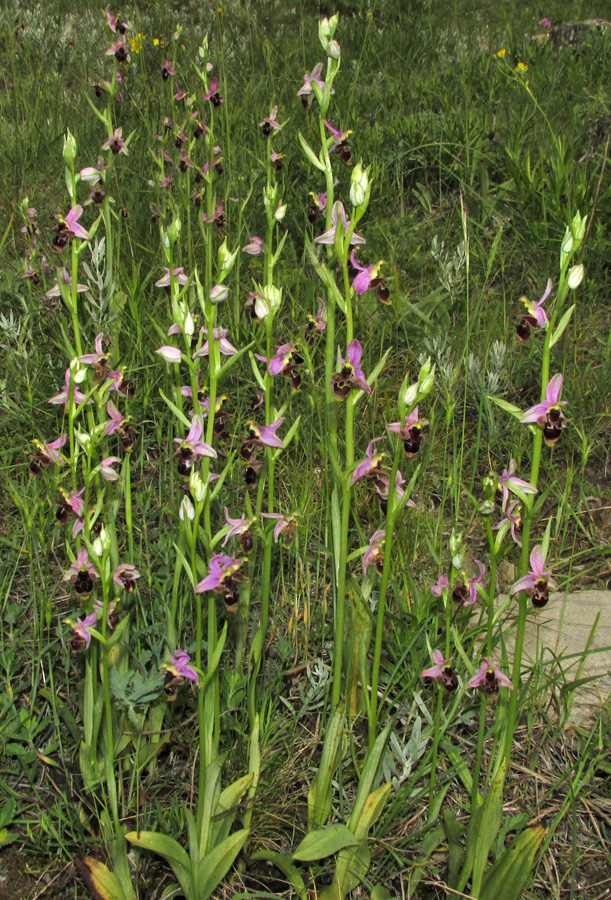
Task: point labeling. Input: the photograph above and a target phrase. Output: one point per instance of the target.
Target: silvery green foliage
(444, 359)
(494, 382)
(451, 265)
(314, 696)
(101, 286)
(400, 758)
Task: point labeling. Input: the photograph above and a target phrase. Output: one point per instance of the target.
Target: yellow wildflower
(155, 42)
(136, 43)
(521, 68)
(501, 53)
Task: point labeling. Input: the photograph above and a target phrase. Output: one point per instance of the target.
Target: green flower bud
(226, 258)
(69, 149)
(333, 50)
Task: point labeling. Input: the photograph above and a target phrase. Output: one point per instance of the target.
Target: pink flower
(339, 137)
(93, 358)
(193, 443)
(62, 398)
(81, 573)
(538, 581)
(472, 584)
(535, 310)
(255, 247)
(548, 415)
(116, 142)
(124, 576)
(271, 123)
(315, 77)
(370, 466)
(265, 434)
(213, 94)
(114, 23)
(106, 468)
(82, 630)
(351, 374)
(165, 280)
(338, 215)
(514, 518)
(440, 586)
(65, 278)
(363, 280)
(178, 665)
(71, 223)
(216, 215)
(410, 433)
(510, 482)
(284, 525)
(488, 678)
(374, 555)
(442, 672)
(49, 451)
(220, 335)
(116, 419)
(238, 528)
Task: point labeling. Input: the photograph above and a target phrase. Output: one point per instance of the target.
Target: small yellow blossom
(501, 53)
(521, 68)
(136, 43)
(155, 42)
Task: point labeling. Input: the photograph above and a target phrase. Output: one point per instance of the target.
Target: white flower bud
(197, 486)
(270, 195)
(187, 510)
(83, 439)
(174, 232)
(280, 212)
(218, 293)
(273, 296)
(576, 274)
(169, 354)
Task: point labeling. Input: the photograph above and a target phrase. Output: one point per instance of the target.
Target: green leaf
(372, 810)
(100, 881)
(482, 831)
(215, 658)
(289, 437)
(325, 842)
(507, 407)
(562, 325)
(215, 865)
(326, 277)
(380, 893)
(227, 806)
(287, 868)
(170, 850)
(7, 812)
(114, 637)
(309, 153)
(183, 560)
(351, 868)
(320, 793)
(179, 415)
(506, 879)
(231, 360)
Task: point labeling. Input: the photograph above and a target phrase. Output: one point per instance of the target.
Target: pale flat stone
(562, 630)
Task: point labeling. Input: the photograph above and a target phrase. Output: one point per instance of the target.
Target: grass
(475, 173)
